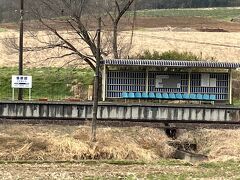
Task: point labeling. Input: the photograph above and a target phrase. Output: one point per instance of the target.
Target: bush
(168, 55)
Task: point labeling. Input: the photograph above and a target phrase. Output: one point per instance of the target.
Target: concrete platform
(121, 111)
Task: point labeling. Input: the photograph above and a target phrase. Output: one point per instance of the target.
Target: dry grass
(218, 45)
(22, 142)
(218, 145)
(67, 143)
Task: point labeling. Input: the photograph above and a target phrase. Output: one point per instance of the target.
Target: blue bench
(179, 96)
(169, 96)
(145, 95)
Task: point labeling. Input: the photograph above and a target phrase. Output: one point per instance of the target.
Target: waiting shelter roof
(170, 63)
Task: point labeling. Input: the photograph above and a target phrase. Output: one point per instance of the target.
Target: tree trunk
(96, 84)
(115, 40)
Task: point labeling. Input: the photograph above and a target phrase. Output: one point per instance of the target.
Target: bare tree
(78, 19)
(115, 10)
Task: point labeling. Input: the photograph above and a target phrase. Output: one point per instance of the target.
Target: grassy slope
(2, 30)
(218, 13)
(53, 83)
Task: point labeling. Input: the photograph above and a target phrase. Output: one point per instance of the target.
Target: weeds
(47, 144)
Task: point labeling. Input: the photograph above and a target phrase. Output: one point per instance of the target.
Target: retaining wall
(143, 112)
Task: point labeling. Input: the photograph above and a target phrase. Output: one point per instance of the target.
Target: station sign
(22, 82)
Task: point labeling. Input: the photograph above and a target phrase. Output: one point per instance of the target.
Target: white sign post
(21, 82)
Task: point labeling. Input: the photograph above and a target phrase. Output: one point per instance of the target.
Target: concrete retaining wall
(61, 110)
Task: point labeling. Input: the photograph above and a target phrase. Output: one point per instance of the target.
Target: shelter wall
(144, 81)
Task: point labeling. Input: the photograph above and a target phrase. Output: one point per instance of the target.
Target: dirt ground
(81, 171)
(87, 171)
(165, 169)
(197, 23)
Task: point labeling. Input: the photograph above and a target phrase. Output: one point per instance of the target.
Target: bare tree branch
(119, 12)
(62, 56)
(59, 19)
(70, 45)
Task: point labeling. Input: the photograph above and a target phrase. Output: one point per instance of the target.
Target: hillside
(8, 8)
(222, 46)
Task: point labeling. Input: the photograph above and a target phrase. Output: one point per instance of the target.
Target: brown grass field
(159, 34)
(220, 46)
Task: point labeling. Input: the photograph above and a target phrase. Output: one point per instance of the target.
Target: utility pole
(20, 65)
(96, 82)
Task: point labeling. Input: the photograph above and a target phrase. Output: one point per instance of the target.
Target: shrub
(168, 55)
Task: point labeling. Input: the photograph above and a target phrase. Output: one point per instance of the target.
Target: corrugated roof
(170, 63)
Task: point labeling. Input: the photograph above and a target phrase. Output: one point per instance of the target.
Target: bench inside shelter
(167, 80)
(170, 96)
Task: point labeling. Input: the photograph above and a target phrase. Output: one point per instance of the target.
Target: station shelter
(167, 76)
